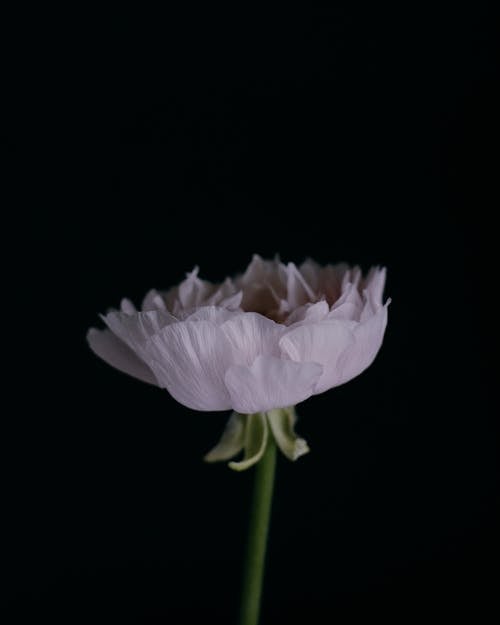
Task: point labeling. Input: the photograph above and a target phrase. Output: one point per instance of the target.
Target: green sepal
(256, 435)
(282, 422)
(232, 440)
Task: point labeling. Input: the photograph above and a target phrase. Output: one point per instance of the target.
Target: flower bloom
(266, 340)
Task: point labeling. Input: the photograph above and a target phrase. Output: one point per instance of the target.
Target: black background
(161, 142)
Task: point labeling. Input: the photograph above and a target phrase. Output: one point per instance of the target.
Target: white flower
(267, 340)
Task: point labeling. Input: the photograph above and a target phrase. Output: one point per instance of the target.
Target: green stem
(257, 536)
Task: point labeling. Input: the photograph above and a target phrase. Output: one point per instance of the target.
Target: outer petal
(117, 354)
(252, 335)
(136, 329)
(190, 360)
(349, 305)
(214, 314)
(324, 343)
(368, 340)
(271, 383)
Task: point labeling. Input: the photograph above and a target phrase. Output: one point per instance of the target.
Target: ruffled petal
(331, 281)
(127, 306)
(309, 313)
(323, 343)
(214, 314)
(190, 360)
(117, 354)
(312, 272)
(252, 335)
(153, 300)
(193, 291)
(263, 285)
(298, 291)
(226, 296)
(136, 329)
(271, 383)
(375, 283)
(349, 305)
(368, 337)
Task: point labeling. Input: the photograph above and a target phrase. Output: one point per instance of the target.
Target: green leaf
(232, 440)
(256, 434)
(282, 422)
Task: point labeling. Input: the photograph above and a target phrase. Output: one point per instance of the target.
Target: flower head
(265, 340)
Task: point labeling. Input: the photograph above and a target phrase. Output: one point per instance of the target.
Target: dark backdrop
(161, 142)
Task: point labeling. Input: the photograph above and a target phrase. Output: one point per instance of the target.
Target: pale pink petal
(354, 275)
(368, 340)
(251, 334)
(370, 307)
(271, 383)
(375, 283)
(127, 306)
(331, 281)
(190, 360)
(265, 271)
(135, 330)
(349, 305)
(312, 273)
(232, 302)
(114, 351)
(193, 291)
(153, 300)
(324, 343)
(211, 313)
(263, 285)
(298, 291)
(309, 313)
(226, 296)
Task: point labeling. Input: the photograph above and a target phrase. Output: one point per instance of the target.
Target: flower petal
(153, 300)
(271, 383)
(127, 306)
(193, 291)
(375, 283)
(263, 284)
(190, 360)
(298, 291)
(214, 314)
(332, 277)
(311, 271)
(323, 343)
(252, 335)
(256, 436)
(232, 440)
(368, 337)
(309, 313)
(117, 354)
(349, 305)
(226, 296)
(136, 329)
